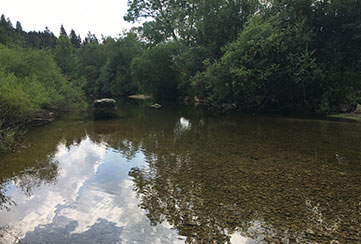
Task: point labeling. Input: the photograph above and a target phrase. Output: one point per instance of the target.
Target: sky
(99, 17)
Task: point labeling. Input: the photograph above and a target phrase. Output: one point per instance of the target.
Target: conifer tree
(3, 19)
(90, 38)
(19, 28)
(75, 39)
(63, 32)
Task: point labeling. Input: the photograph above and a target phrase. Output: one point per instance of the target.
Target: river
(180, 174)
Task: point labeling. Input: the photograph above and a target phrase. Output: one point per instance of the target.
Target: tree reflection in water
(33, 164)
(43, 172)
(214, 178)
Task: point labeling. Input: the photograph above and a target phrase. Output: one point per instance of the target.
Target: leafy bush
(30, 81)
(19, 97)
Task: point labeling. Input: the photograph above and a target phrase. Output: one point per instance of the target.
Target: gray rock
(104, 101)
(358, 109)
(105, 108)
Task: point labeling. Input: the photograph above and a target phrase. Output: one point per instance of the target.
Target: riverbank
(348, 116)
(11, 133)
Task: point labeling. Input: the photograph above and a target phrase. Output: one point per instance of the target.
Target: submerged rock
(156, 105)
(105, 108)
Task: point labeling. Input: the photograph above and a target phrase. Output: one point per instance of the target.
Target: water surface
(182, 175)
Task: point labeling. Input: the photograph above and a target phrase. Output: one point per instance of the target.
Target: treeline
(277, 55)
(32, 84)
(269, 55)
(280, 55)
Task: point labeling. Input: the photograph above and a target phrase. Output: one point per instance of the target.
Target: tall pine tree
(63, 32)
(75, 39)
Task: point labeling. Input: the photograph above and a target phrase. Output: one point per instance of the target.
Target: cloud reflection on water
(92, 201)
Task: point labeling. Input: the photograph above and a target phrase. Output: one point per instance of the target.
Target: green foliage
(154, 72)
(64, 56)
(264, 67)
(189, 61)
(92, 58)
(291, 55)
(210, 23)
(20, 97)
(75, 39)
(279, 55)
(7, 138)
(16, 37)
(8, 35)
(345, 116)
(63, 32)
(115, 78)
(340, 88)
(44, 40)
(89, 39)
(31, 80)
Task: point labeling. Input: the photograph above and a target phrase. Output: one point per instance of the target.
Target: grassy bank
(349, 116)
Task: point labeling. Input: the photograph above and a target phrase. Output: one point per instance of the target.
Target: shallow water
(182, 175)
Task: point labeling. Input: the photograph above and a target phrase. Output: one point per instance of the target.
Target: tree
(64, 56)
(74, 39)
(48, 39)
(3, 19)
(155, 73)
(19, 28)
(63, 32)
(115, 78)
(266, 67)
(90, 38)
(195, 22)
(36, 79)
(92, 58)
(163, 12)
(8, 35)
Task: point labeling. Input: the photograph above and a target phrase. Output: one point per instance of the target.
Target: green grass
(345, 116)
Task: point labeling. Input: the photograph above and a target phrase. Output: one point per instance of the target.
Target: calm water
(181, 175)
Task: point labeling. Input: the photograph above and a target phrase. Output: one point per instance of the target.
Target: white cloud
(100, 17)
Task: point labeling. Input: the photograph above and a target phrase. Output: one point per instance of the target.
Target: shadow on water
(182, 175)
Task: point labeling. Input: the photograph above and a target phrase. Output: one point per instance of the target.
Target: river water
(183, 175)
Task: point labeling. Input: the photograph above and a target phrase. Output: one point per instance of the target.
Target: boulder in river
(105, 108)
